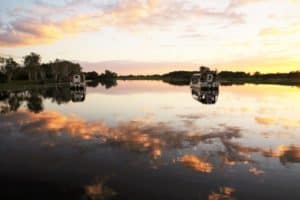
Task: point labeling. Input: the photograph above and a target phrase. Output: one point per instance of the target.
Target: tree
(91, 75)
(62, 70)
(32, 64)
(9, 67)
(257, 74)
(108, 75)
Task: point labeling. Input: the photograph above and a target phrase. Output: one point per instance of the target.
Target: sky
(155, 36)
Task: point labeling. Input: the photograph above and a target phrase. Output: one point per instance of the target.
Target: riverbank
(185, 80)
(226, 78)
(25, 84)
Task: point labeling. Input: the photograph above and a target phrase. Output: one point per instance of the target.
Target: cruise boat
(205, 79)
(77, 81)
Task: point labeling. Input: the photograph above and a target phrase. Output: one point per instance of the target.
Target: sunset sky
(155, 36)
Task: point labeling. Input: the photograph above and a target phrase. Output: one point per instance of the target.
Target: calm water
(150, 140)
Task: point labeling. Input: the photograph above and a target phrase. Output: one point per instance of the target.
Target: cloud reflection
(284, 122)
(98, 191)
(196, 163)
(224, 193)
(256, 171)
(144, 136)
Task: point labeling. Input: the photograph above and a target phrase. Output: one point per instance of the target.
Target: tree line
(33, 70)
(107, 79)
(225, 77)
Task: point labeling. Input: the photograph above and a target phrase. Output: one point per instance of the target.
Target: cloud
(125, 67)
(239, 3)
(265, 120)
(291, 29)
(192, 35)
(128, 15)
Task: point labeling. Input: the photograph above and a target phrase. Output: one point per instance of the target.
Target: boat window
(203, 77)
(195, 79)
(210, 77)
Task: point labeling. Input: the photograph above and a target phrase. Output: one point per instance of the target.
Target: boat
(77, 81)
(205, 79)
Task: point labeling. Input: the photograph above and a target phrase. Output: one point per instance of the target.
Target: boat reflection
(205, 95)
(78, 94)
(205, 86)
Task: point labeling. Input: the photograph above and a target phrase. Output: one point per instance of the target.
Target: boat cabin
(206, 78)
(77, 81)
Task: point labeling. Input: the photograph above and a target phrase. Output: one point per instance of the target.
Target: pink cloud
(35, 26)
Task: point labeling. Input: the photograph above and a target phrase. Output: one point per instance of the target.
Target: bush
(2, 78)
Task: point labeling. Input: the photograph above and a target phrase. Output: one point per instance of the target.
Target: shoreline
(179, 82)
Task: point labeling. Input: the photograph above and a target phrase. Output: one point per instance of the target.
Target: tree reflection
(108, 83)
(35, 102)
(14, 102)
(11, 101)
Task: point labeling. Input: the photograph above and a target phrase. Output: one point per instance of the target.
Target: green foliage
(33, 70)
(108, 79)
(32, 60)
(20, 73)
(108, 75)
(91, 75)
(32, 65)
(2, 77)
(229, 74)
(59, 70)
(8, 67)
(225, 77)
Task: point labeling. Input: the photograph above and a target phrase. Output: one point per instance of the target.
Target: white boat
(77, 81)
(205, 79)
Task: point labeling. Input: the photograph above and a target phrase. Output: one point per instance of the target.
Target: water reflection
(11, 100)
(146, 137)
(78, 94)
(105, 83)
(224, 193)
(98, 191)
(149, 153)
(205, 95)
(196, 163)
